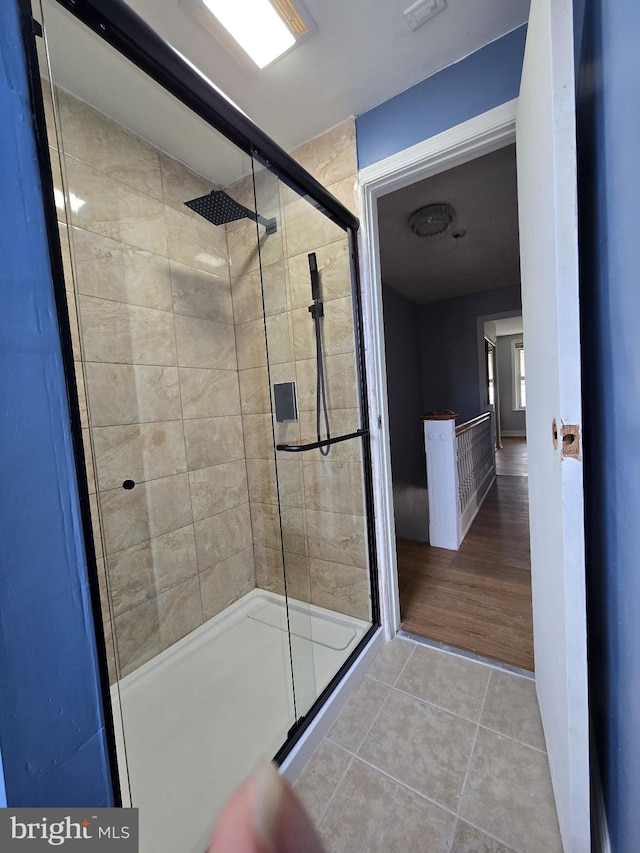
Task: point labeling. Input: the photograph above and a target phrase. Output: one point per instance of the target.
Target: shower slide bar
(297, 448)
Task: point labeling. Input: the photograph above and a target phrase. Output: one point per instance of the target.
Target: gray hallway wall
(449, 348)
(408, 465)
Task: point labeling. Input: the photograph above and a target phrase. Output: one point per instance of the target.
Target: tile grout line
(482, 660)
(489, 835)
(403, 667)
(466, 775)
(467, 719)
(404, 785)
(514, 739)
(473, 746)
(375, 717)
(335, 790)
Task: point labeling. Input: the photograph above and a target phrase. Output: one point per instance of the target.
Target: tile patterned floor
(433, 752)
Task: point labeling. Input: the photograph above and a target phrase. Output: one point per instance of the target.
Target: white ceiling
(361, 54)
(483, 194)
(508, 326)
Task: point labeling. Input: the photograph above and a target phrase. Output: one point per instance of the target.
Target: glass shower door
(317, 425)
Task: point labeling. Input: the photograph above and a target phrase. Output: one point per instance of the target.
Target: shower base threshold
(203, 714)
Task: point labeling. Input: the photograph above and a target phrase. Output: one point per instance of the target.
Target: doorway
(440, 289)
(545, 130)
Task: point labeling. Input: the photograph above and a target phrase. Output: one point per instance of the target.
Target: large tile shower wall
(318, 501)
(159, 355)
(176, 338)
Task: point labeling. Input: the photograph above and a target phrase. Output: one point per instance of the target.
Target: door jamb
(480, 135)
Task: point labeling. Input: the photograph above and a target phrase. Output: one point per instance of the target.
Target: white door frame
(480, 135)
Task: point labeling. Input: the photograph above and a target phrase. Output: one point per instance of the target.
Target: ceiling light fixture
(264, 30)
(431, 220)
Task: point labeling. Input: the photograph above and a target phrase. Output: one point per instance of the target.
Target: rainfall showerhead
(220, 208)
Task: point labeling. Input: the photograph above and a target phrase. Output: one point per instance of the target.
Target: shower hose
(317, 312)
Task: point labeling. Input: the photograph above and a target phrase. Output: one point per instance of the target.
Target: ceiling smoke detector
(431, 220)
(419, 12)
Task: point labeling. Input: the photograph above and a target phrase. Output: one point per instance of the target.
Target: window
(519, 383)
(490, 351)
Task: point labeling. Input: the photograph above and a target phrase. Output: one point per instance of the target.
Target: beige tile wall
(176, 321)
(321, 500)
(164, 405)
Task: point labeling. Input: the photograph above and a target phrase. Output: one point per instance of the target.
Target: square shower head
(219, 208)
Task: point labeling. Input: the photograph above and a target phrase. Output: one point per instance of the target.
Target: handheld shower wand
(317, 312)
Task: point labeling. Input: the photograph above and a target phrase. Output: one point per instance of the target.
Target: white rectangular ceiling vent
(421, 11)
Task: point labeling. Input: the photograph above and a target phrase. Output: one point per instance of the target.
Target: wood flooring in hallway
(478, 598)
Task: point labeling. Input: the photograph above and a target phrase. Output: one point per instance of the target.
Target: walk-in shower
(234, 561)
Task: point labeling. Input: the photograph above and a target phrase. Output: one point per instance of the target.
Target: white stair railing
(460, 472)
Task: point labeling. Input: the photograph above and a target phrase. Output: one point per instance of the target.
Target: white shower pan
(199, 717)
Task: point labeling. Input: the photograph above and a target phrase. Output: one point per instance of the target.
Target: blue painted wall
(484, 80)
(609, 218)
(52, 735)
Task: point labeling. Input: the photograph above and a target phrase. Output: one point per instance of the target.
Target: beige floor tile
(421, 746)
(508, 794)
(388, 663)
(466, 839)
(371, 813)
(354, 720)
(511, 708)
(446, 680)
(320, 778)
